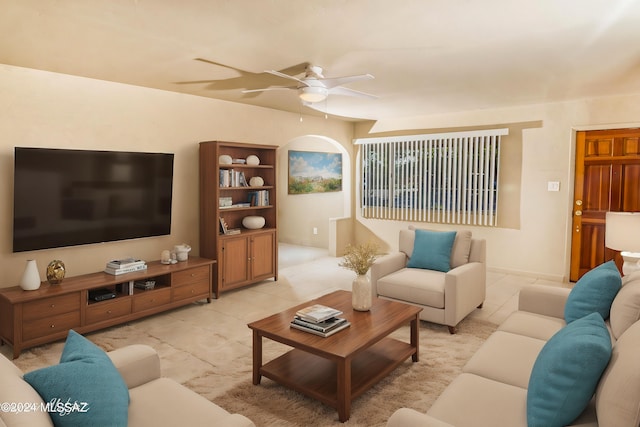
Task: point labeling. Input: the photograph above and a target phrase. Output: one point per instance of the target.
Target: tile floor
(304, 273)
(502, 289)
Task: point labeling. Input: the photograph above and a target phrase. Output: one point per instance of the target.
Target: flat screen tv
(76, 197)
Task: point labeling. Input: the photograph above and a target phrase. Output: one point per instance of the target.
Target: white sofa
(492, 389)
(445, 297)
(154, 401)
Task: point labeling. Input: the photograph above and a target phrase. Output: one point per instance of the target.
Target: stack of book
(258, 198)
(125, 265)
(319, 320)
(232, 178)
(224, 228)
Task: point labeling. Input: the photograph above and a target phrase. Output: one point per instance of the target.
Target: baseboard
(535, 275)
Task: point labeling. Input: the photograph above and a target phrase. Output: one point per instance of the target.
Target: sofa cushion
(594, 292)
(14, 390)
(506, 357)
(532, 325)
(566, 372)
(625, 309)
(474, 401)
(618, 393)
(423, 287)
(86, 383)
(186, 407)
(432, 250)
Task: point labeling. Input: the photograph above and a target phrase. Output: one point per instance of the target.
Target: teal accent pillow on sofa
(566, 372)
(432, 250)
(593, 292)
(85, 388)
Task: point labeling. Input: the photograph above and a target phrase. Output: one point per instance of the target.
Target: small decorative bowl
(253, 222)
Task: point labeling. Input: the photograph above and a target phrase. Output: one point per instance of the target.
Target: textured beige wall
(41, 109)
(51, 110)
(299, 214)
(538, 242)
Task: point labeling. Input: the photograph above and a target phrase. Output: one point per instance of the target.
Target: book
(144, 284)
(124, 263)
(317, 313)
(325, 326)
(118, 271)
(223, 226)
(320, 333)
(224, 202)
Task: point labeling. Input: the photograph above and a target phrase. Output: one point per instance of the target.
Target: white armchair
(445, 297)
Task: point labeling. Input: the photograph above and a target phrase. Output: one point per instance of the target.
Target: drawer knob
(53, 305)
(53, 326)
(108, 311)
(193, 274)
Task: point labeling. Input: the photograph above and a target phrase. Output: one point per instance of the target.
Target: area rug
(414, 385)
(219, 368)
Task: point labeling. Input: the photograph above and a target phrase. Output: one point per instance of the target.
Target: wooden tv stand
(30, 318)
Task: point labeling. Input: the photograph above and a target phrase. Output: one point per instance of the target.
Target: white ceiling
(427, 56)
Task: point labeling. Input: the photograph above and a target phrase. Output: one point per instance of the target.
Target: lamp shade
(622, 231)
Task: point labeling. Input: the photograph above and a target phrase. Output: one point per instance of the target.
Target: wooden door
(233, 269)
(263, 255)
(607, 178)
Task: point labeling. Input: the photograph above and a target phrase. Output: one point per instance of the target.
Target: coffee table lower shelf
(318, 377)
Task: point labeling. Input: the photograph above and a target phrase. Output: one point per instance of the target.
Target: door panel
(630, 193)
(262, 259)
(607, 178)
(235, 256)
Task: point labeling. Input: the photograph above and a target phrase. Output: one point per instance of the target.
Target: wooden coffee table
(339, 368)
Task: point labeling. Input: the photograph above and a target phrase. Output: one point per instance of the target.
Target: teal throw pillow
(84, 389)
(432, 250)
(593, 292)
(566, 372)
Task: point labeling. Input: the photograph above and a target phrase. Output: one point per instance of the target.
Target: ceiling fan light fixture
(313, 94)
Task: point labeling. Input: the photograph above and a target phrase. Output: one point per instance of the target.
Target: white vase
(30, 280)
(361, 297)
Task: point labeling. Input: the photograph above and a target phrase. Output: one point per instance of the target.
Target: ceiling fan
(314, 87)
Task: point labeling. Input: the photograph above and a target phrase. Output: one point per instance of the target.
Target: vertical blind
(449, 178)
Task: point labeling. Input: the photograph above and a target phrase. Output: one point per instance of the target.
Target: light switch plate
(553, 186)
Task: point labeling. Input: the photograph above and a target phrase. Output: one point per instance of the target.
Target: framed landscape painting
(314, 172)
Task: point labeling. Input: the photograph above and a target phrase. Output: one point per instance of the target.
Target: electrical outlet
(315, 230)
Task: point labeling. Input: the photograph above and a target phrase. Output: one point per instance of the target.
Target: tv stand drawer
(50, 325)
(106, 310)
(151, 299)
(192, 290)
(46, 308)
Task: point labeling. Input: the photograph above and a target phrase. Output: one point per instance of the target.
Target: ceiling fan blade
(350, 92)
(339, 81)
(286, 76)
(195, 82)
(269, 88)
(211, 62)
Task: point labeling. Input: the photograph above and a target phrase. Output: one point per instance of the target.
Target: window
(447, 178)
